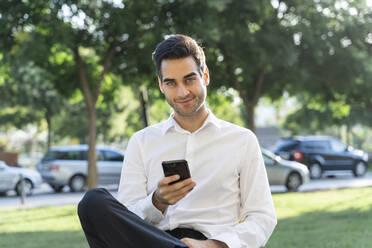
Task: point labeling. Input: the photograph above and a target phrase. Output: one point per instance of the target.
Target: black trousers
(109, 224)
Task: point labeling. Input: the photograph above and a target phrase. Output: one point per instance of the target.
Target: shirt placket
(189, 157)
(190, 147)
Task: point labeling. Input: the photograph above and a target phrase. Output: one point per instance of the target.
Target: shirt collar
(171, 123)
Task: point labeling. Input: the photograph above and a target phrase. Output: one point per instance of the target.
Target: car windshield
(51, 155)
(2, 165)
(338, 146)
(316, 145)
(285, 145)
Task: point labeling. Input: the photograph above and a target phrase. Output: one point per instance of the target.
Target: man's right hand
(167, 194)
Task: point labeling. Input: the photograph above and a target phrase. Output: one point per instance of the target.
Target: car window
(51, 155)
(268, 160)
(70, 155)
(337, 146)
(285, 145)
(64, 155)
(316, 145)
(100, 156)
(113, 156)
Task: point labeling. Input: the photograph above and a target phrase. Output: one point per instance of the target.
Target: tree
(335, 86)
(264, 48)
(88, 39)
(248, 49)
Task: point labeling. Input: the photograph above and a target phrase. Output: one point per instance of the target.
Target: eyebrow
(190, 75)
(186, 76)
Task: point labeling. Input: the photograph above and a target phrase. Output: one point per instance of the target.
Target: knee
(92, 202)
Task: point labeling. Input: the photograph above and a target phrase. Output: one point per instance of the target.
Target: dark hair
(176, 47)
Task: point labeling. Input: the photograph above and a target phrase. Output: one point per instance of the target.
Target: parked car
(10, 179)
(322, 153)
(68, 165)
(291, 174)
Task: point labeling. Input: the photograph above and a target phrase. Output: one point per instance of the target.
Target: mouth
(185, 101)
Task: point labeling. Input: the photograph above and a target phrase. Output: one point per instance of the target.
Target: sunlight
(369, 3)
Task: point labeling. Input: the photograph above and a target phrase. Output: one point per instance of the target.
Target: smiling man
(227, 200)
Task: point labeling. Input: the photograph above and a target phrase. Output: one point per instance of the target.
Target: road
(46, 197)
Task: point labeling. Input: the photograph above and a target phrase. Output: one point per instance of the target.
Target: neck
(194, 122)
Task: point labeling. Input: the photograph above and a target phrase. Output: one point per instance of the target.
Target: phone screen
(179, 167)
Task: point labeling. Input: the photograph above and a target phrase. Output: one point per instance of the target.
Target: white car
(68, 165)
(10, 179)
(291, 174)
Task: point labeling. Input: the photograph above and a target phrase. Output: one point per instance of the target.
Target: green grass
(324, 219)
(56, 227)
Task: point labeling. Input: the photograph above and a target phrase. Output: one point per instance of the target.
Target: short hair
(176, 47)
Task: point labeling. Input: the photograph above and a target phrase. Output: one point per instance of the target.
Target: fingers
(171, 194)
(186, 241)
(193, 243)
(168, 180)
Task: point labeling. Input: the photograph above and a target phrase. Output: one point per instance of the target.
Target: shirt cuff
(231, 239)
(150, 212)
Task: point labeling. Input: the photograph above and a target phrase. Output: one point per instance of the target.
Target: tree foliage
(80, 43)
(79, 53)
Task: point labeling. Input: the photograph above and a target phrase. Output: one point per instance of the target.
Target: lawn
(57, 227)
(326, 219)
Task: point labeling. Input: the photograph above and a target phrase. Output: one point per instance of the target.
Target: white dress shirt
(231, 201)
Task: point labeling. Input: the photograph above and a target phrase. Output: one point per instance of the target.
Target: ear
(160, 85)
(206, 76)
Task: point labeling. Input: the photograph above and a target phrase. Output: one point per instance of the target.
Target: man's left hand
(209, 243)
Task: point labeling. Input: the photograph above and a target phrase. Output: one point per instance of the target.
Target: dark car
(322, 153)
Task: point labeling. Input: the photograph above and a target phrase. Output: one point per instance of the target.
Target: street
(46, 197)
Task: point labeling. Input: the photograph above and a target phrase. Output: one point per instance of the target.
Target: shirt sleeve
(257, 216)
(132, 191)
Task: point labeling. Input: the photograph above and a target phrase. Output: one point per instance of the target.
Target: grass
(57, 227)
(324, 219)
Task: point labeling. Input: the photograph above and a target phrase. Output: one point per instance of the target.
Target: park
(81, 72)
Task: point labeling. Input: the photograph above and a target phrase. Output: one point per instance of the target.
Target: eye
(190, 79)
(169, 83)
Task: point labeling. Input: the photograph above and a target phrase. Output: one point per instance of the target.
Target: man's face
(183, 87)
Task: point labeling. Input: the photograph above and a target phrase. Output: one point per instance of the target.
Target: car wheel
(57, 188)
(2, 193)
(27, 187)
(294, 181)
(77, 183)
(315, 171)
(360, 169)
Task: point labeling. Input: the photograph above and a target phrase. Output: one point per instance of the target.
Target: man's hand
(167, 194)
(209, 243)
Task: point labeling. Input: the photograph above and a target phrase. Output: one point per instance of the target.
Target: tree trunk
(249, 102)
(49, 126)
(143, 107)
(347, 134)
(251, 121)
(90, 99)
(92, 168)
(250, 107)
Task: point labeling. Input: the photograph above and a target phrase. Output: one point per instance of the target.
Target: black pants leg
(109, 224)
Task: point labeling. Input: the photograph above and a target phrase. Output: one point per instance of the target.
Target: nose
(182, 91)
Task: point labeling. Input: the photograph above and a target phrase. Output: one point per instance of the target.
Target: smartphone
(179, 167)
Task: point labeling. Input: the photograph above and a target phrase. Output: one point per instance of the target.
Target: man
(227, 200)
